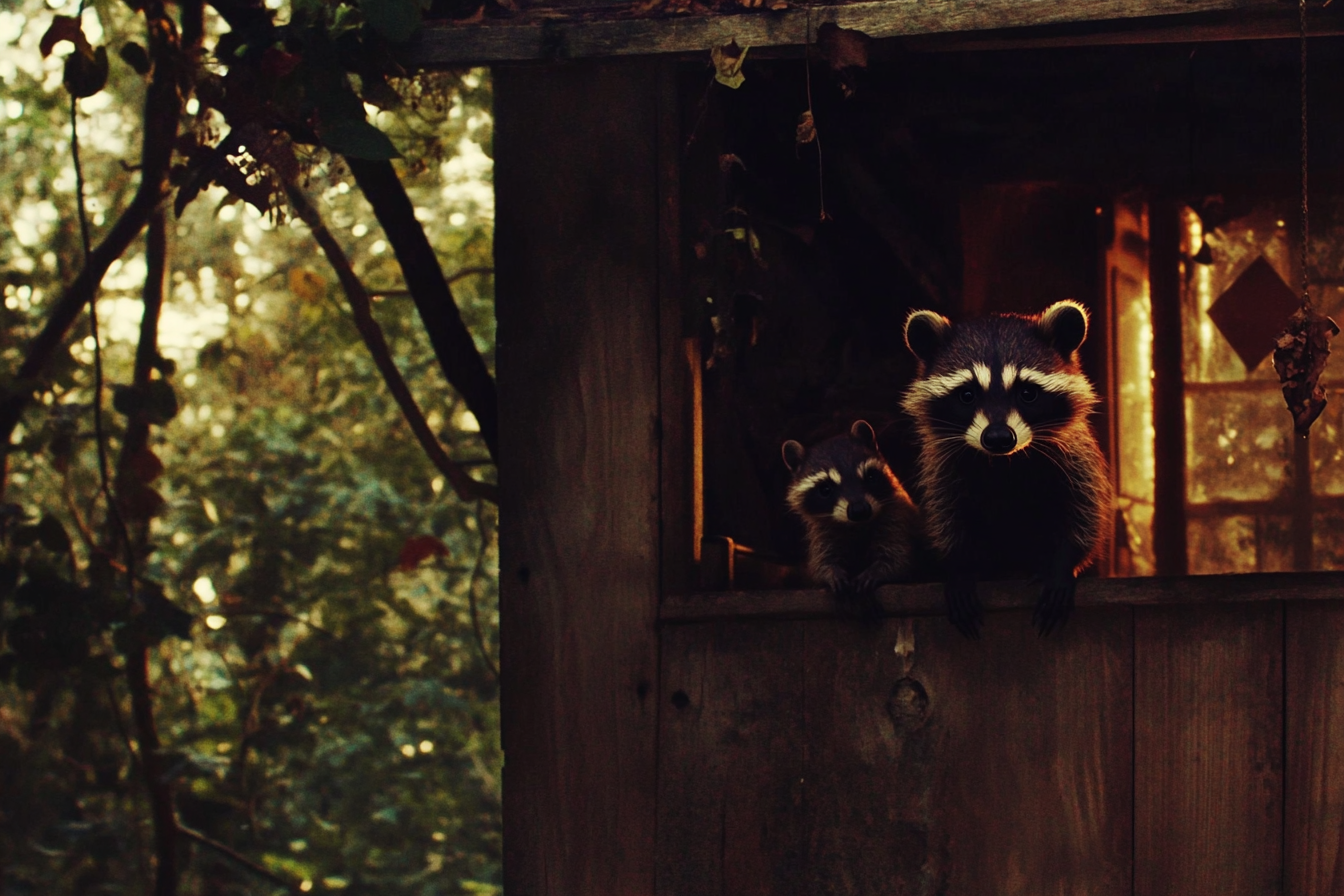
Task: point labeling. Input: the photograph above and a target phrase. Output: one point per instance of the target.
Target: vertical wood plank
(681, 501)
(1000, 766)
(1208, 779)
(731, 760)
(1314, 801)
(576, 247)
(1165, 283)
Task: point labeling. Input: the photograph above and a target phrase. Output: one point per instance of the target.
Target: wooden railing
(926, 599)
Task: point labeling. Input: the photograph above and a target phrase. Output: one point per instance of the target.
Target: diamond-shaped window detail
(1253, 311)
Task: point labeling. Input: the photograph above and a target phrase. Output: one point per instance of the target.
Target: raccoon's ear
(864, 433)
(1064, 326)
(793, 454)
(925, 333)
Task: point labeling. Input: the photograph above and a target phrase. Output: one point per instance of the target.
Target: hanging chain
(1302, 24)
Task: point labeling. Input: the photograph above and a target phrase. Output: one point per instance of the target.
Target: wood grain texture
(731, 767)
(927, 599)
(679, 395)
(1208, 780)
(1262, 23)
(551, 35)
(1000, 766)
(1166, 284)
(1314, 810)
(812, 758)
(577, 282)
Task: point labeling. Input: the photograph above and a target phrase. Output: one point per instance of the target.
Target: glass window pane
(1219, 545)
(1327, 531)
(1276, 544)
(1238, 446)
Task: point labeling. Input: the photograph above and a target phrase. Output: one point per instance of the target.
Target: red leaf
(419, 548)
(144, 466)
(276, 63)
(140, 502)
(64, 28)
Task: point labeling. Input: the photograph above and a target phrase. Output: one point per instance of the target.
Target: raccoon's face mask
(1000, 383)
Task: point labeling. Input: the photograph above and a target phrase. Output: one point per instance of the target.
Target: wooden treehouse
(680, 715)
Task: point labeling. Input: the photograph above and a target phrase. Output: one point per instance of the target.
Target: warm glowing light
(204, 589)
(215, 622)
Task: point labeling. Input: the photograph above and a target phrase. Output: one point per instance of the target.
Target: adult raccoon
(1012, 477)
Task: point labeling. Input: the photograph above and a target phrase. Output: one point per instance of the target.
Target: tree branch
(157, 783)
(466, 488)
(453, 345)
(452, 278)
(240, 859)
(163, 106)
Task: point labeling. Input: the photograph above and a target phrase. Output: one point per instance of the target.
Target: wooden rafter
(571, 33)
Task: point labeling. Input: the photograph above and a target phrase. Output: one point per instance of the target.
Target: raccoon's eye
(872, 477)
(1029, 393)
(826, 489)
(966, 395)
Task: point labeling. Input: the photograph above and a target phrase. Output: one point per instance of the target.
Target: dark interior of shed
(1141, 180)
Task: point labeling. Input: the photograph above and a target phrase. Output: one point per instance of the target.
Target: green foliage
(307, 587)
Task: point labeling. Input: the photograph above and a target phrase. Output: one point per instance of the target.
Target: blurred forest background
(272, 668)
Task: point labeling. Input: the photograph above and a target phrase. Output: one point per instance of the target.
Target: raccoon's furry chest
(850, 548)
(1008, 510)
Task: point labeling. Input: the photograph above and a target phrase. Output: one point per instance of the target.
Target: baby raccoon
(1013, 478)
(862, 528)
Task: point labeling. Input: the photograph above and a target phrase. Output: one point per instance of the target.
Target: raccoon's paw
(837, 582)
(859, 600)
(963, 607)
(868, 580)
(1054, 606)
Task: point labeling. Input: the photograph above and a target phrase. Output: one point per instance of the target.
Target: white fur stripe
(982, 375)
(871, 463)
(1074, 384)
(841, 510)
(1009, 376)
(976, 428)
(1020, 429)
(935, 387)
(804, 485)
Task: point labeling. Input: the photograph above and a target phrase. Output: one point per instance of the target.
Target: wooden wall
(577, 292)
(660, 747)
(1141, 751)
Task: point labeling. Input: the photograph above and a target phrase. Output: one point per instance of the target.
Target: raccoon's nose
(998, 438)
(860, 511)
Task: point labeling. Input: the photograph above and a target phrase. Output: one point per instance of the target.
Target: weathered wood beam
(927, 599)
(554, 33)
(1278, 23)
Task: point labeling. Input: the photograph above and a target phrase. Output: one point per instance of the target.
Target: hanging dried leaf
(1300, 354)
(728, 61)
(807, 128)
